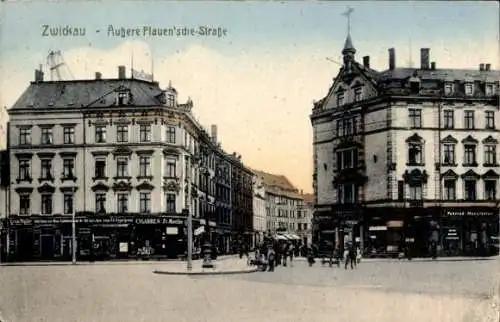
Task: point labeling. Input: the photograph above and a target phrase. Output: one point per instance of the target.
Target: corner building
(122, 155)
(407, 158)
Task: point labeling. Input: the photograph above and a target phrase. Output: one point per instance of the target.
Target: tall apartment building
(259, 210)
(305, 219)
(284, 204)
(407, 157)
(122, 155)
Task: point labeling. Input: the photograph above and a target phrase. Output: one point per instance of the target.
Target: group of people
(352, 255)
(268, 257)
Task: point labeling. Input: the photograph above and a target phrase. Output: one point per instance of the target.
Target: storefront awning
(293, 236)
(280, 237)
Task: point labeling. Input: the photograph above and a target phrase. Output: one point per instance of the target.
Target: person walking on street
(310, 256)
(351, 257)
(346, 257)
(291, 253)
(271, 258)
(284, 253)
(358, 255)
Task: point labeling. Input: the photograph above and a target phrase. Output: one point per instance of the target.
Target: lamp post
(73, 233)
(187, 211)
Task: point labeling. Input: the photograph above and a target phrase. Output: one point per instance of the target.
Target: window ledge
(470, 164)
(449, 165)
(122, 178)
(415, 164)
(489, 165)
(49, 179)
(100, 178)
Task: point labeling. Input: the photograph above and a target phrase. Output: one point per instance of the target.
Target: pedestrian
(346, 256)
(284, 253)
(291, 250)
(358, 255)
(310, 256)
(271, 258)
(351, 257)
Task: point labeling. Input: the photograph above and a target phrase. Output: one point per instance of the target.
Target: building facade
(241, 202)
(122, 156)
(305, 219)
(407, 158)
(259, 210)
(284, 204)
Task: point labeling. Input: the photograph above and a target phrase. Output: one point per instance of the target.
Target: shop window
(46, 204)
(450, 189)
(470, 189)
(490, 189)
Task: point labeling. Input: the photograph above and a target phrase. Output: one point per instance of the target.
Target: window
(144, 166)
(68, 203)
(145, 133)
(340, 127)
(100, 202)
(415, 153)
(170, 202)
(348, 126)
(470, 154)
(68, 168)
(470, 189)
(340, 99)
(170, 169)
(490, 119)
(123, 98)
(47, 136)
(46, 169)
(171, 134)
(449, 121)
(449, 154)
(469, 120)
(490, 154)
(170, 100)
(100, 169)
(24, 170)
(122, 203)
(468, 89)
(346, 193)
(24, 136)
(347, 159)
(415, 116)
(401, 190)
(46, 204)
(358, 94)
(122, 133)
(100, 134)
(450, 191)
(448, 88)
(489, 89)
(490, 189)
(122, 167)
(145, 202)
(24, 204)
(69, 135)
(416, 192)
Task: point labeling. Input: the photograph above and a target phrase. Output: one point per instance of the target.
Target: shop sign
(159, 221)
(467, 212)
(395, 223)
(377, 228)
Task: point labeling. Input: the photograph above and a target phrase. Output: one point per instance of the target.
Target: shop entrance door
(47, 246)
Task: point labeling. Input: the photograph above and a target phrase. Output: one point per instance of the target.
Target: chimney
(392, 58)
(433, 65)
(213, 133)
(424, 58)
(121, 72)
(98, 75)
(481, 67)
(39, 74)
(366, 61)
(487, 67)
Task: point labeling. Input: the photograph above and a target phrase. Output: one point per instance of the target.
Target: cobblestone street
(375, 291)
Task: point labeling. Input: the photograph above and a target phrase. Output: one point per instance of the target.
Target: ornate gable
(490, 174)
(490, 140)
(122, 150)
(145, 186)
(415, 138)
(469, 139)
(471, 175)
(46, 188)
(449, 139)
(450, 174)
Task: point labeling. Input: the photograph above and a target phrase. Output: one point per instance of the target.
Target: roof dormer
(170, 95)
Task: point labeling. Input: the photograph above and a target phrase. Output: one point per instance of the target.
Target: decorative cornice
(122, 186)
(24, 155)
(68, 154)
(145, 186)
(470, 139)
(490, 140)
(46, 155)
(145, 152)
(101, 153)
(471, 174)
(24, 190)
(490, 174)
(449, 139)
(100, 187)
(171, 151)
(415, 138)
(122, 150)
(45, 126)
(450, 174)
(68, 189)
(46, 188)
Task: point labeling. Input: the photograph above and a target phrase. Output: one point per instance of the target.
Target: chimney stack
(433, 65)
(366, 61)
(98, 76)
(121, 72)
(481, 67)
(39, 74)
(487, 67)
(392, 58)
(213, 133)
(424, 58)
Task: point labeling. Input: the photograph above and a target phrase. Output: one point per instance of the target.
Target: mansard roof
(87, 93)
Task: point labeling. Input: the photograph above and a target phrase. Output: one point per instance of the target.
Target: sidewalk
(418, 259)
(233, 265)
(109, 262)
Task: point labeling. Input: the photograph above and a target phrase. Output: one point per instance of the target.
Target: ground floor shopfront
(388, 231)
(98, 237)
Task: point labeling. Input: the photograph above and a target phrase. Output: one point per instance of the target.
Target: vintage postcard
(249, 161)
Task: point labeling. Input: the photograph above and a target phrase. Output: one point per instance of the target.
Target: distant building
(305, 220)
(407, 158)
(259, 210)
(284, 204)
(126, 158)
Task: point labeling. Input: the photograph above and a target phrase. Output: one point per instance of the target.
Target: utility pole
(187, 210)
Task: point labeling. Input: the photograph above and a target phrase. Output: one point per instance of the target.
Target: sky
(257, 81)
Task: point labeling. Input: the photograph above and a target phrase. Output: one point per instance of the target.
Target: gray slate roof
(86, 93)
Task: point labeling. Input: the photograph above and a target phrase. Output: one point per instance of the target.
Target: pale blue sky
(258, 83)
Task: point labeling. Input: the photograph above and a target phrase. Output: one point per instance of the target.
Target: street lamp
(73, 233)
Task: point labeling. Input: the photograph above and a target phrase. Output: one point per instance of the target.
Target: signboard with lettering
(99, 220)
(467, 212)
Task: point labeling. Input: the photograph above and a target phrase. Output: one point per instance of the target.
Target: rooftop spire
(348, 47)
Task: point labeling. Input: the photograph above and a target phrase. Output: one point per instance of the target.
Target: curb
(253, 270)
